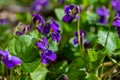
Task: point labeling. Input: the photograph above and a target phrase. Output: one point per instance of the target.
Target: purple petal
(56, 36)
(4, 54)
(3, 21)
(82, 33)
(102, 20)
(43, 29)
(48, 56)
(12, 61)
(116, 22)
(18, 33)
(45, 40)
(68, 18)
(118, 30)
(75, 41)
(38, 19)
(102, 11)
(54, 26)
(116, 4)
(42, 45)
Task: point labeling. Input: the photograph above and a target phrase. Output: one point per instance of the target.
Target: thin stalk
(3, 70)
(82, 44)
(11, 74)
(102, 69)
(78, 28)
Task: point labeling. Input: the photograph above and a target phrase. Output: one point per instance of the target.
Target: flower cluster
(51, 28)
(103, 13)
(46, 55)
(8, 60)
(38, 4)
(82, 35)
(70, 13)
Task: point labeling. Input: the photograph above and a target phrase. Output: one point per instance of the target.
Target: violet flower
(82, 35)
(43, 44)
(116, 5)
(8, 60)
(3, 21)
(48, 56)
(55, 34)
(103, 13)
(70, 13)
(116, 23)
(40, 22)
(38, 4)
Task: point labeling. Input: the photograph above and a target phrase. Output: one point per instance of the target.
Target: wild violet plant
(68, 44)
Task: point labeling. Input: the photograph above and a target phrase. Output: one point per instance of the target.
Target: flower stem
(3, 70)
(78, 28)
(11, 74)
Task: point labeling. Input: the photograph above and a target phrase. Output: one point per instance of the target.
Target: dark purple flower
(116, 4)
(8, 60)
(75, 41)
(43, 44)
(43, 29)
(48, 56)
(82, 33)
(18, 33)
(102, 11)
(116, 23)
(54, 26)
(68, 18)
(56, 36)
(38, 4)
(38, 20)
(117, 14)
(55, 33)
(11, 61)
(70, 13)
(102, 20)
(3, 21)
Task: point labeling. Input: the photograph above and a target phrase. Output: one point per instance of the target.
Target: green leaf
(112, 43)
(31, 66)
(76, 70)
(59, 13)
(56, 70)
(92, 77)
(39, 73)
(24, 47)
(92, 55)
